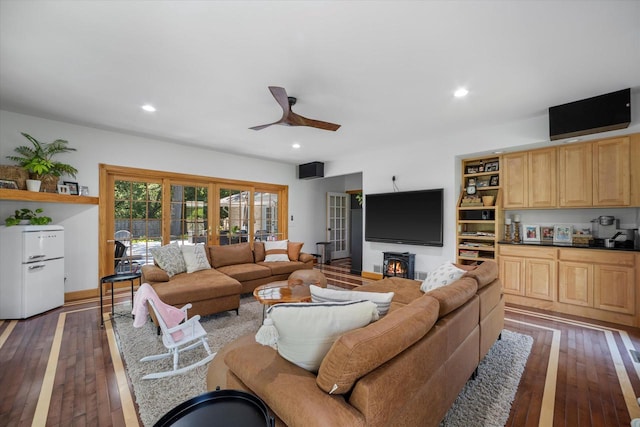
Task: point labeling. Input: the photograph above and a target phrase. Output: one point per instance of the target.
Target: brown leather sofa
(237, 269)
(427, 347)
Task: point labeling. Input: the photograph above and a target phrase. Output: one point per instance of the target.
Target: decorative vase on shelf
(33, 185)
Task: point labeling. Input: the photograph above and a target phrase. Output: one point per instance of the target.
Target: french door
(337, 224)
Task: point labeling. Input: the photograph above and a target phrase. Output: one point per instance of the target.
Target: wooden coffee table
(282, 291)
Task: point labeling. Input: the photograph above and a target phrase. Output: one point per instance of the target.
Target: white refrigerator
(31, 270)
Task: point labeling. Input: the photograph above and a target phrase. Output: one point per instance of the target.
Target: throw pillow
(445, 274)
(381, 299)
(306, 331)
(195, 257)
(293, 250)
(169, 258)
(276, 251)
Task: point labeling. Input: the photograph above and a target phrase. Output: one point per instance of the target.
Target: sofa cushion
(199, 286)
(404, 290)
(293, 250)
(484, 274)
(276, 251)
(445, 274)
(153, 273)
(278, 268)
(195, 257)
(258, 251)
(169, 258)
(454, 295)
(381, 299)
(245, 272)
(306, 331)
(240, 253)
(360, 351)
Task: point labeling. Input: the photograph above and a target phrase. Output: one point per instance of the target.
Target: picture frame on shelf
(73, 187)
(63, 189)
(471, 169)
(531, 233)
(546, 234)
(494, 181)
(8, 183)
(84, 190)
(562, 233)
(491, 166)
(482, 182)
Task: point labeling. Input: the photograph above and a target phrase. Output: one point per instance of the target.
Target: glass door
(189, 223)
(233, 224)
(337, 225)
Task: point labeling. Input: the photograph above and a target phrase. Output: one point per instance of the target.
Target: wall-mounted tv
(405, 217)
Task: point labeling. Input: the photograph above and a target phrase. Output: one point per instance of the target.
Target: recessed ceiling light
(296, 145)
(148, 107)
(460, 92)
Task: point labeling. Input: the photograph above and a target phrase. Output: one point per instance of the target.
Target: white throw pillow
(306, 331)
(445, 274)
(195, 257)
(276, 251)
(381, 299)
(169, 258)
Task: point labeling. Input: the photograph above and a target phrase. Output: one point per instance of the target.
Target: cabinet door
(542, 178)
(575, 283)
(611, 177)
(614, 290)
(512, 274)
(540, 279)
(575, 173)
(515, 180)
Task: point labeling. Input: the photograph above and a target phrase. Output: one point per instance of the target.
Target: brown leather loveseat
(426, 348)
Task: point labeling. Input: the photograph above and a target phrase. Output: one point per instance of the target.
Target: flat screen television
(405, 217)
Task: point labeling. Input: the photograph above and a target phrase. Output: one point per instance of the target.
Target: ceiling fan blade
(298, 120)
(262, 126)
(281, 96)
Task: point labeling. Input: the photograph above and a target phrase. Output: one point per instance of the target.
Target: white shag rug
(485, 401)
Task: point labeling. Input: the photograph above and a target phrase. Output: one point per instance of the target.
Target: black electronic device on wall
(311, 170)
(601, 113)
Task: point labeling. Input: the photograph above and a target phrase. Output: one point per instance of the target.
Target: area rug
(483, 402)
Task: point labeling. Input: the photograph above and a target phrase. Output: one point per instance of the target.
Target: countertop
(626, 246)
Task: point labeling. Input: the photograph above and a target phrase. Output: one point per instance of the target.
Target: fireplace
(398, 264)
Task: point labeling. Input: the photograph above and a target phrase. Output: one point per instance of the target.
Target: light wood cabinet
(540, 279)
(611, 174)
(531, 271)
(513, 268)
(531, 179)
(575, 283)
(575, 169)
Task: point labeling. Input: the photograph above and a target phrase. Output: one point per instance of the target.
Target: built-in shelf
(32, 196)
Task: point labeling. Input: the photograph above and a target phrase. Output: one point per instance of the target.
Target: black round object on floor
(219, 408)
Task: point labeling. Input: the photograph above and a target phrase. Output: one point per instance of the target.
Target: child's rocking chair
(189, 333)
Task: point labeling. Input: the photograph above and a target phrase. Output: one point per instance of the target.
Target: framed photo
(491, 167)
(494, 181)
(483, 182)
(472, 169)
(531, 233)
(84, 190)
(8, 183)
(562, 233)
(547, 234)
(73, 187)
(63, 189)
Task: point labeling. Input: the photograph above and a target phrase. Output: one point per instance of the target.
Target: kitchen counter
(626, 246)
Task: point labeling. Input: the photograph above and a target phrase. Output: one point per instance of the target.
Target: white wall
(96, 146)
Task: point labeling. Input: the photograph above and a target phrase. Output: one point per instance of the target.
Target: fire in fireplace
(398, 264)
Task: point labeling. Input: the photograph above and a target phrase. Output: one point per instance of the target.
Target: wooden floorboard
(588, 391)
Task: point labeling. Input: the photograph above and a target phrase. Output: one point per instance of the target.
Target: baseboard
(370, 275)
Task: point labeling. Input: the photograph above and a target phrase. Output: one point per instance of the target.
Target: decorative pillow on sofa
(169, 258)
(445, 274)
(293, 250)
(306, 331)
(276, 251)
(381, 299)
(195, 257)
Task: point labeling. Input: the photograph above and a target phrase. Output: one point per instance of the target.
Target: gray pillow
(170, 259)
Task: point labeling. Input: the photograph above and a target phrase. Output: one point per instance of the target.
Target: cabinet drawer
(528, 251)
(598, 256)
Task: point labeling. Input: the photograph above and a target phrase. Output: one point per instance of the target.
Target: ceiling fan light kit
(289, 118)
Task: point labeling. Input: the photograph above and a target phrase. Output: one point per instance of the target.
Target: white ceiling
(384, 70)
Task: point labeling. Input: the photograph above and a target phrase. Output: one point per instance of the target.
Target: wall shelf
(32, 196)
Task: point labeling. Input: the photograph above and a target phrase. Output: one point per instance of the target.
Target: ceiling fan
(289, 118)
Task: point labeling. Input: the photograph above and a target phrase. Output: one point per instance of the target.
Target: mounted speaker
(311, 170)
(592, 115)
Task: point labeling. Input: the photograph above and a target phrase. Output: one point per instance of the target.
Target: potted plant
(27, 216)
(37, 159)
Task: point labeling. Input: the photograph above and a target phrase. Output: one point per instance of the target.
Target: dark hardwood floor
(61, 369)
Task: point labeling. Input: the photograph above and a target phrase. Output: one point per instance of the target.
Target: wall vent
(377, 268)
(421, 275)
